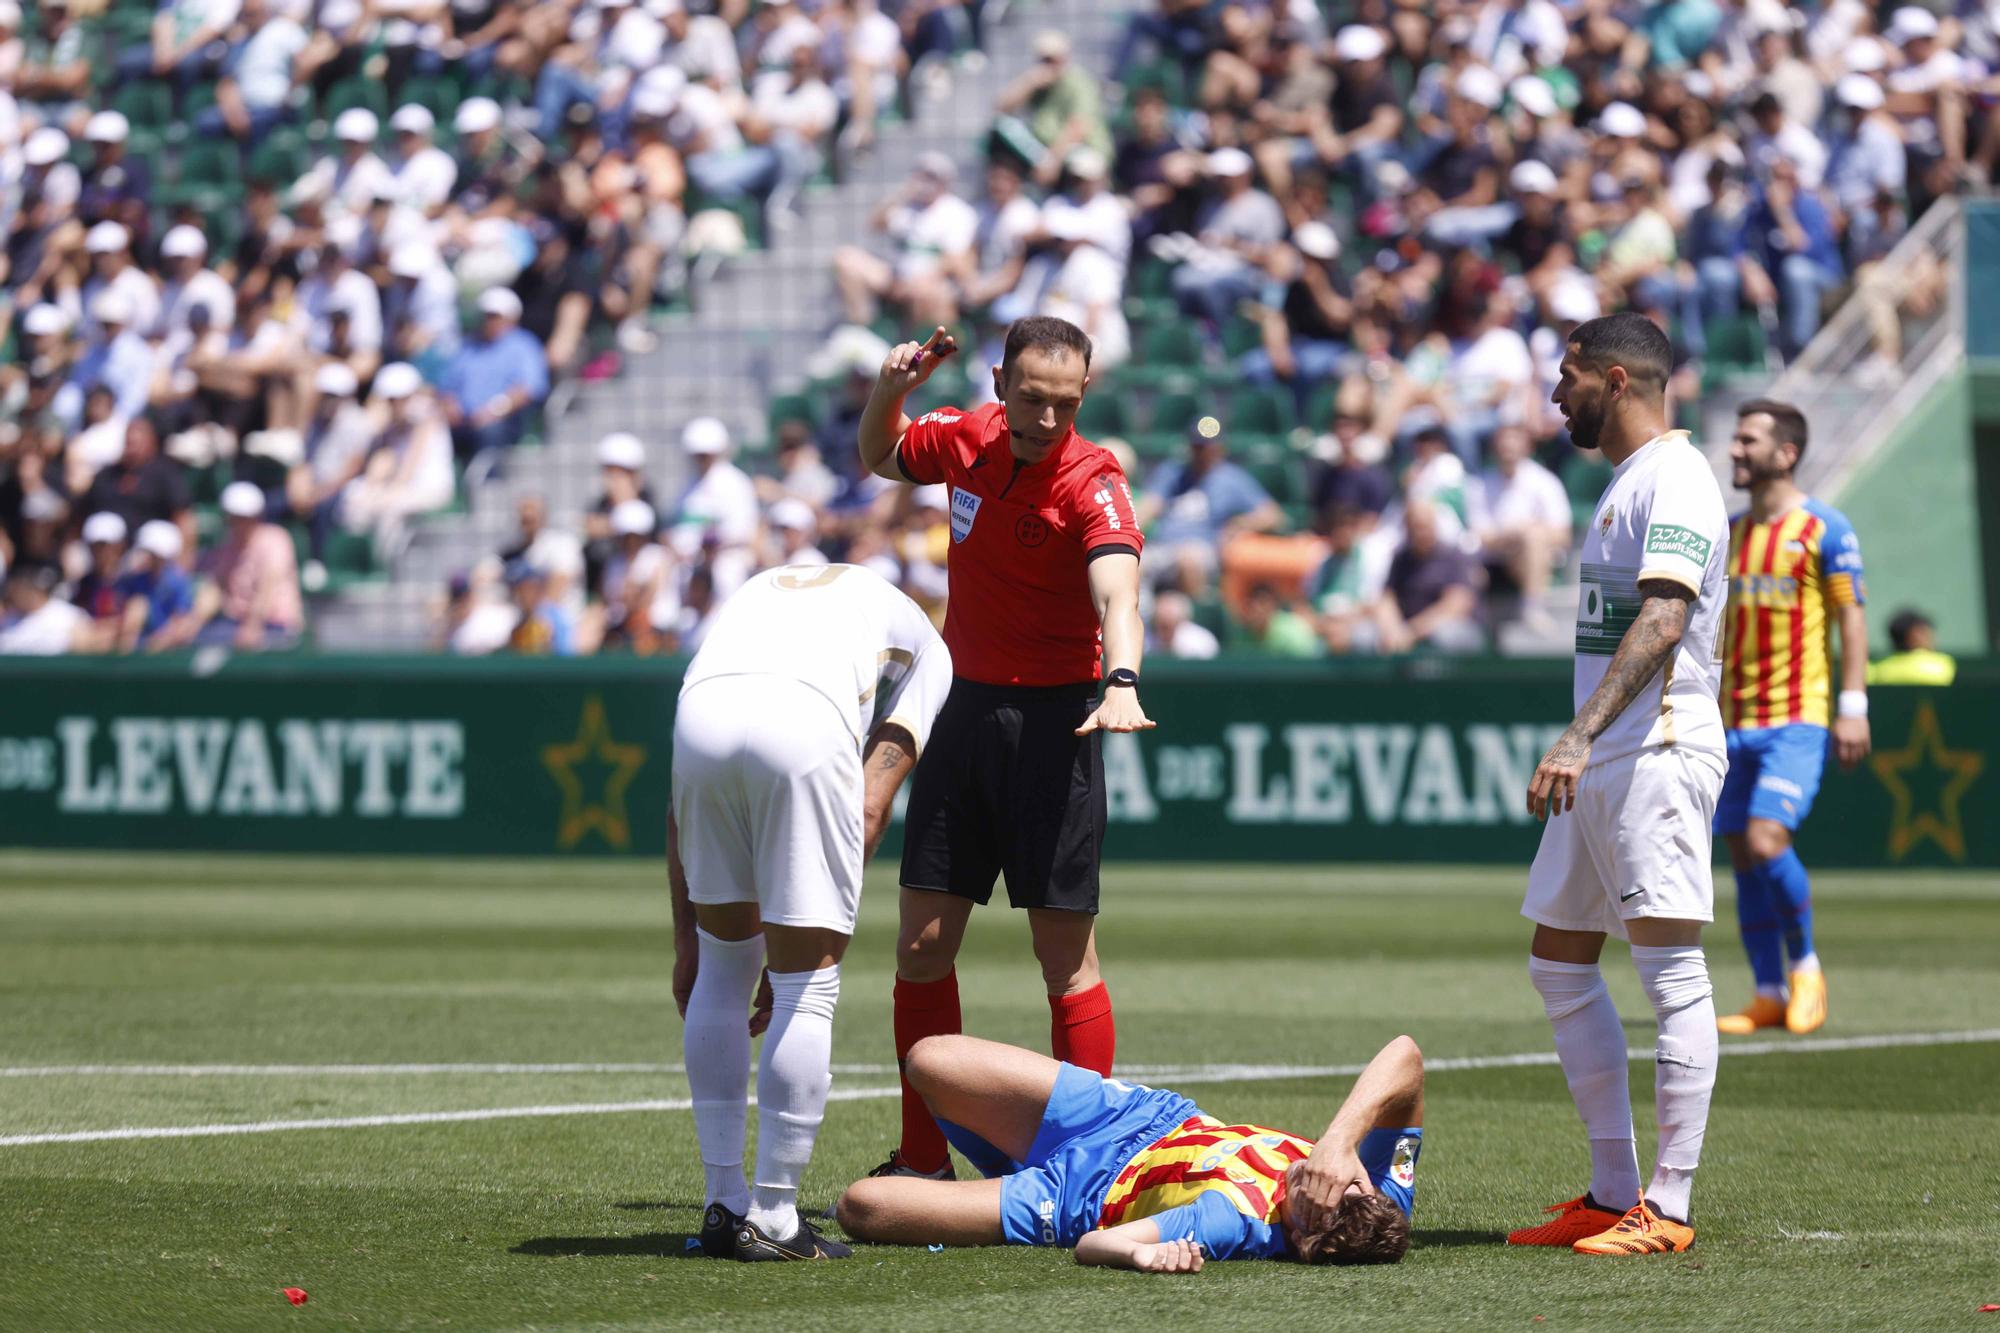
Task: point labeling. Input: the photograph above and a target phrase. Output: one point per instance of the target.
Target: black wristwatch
(1124, 678)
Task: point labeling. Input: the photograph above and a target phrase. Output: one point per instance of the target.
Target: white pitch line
(318, 1071)
(1191, 1074)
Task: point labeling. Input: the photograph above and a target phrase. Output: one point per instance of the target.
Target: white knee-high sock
(1676, 981)
(792, 1084)
(1591, 1045)
(717, 1045)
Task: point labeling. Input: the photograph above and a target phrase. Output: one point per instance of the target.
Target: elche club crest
(1605, 520)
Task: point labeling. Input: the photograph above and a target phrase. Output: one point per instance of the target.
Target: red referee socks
(923, 1009)
(1081, 1030)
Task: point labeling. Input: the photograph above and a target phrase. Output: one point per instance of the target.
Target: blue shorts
(1774, 773)
(1091, 1128)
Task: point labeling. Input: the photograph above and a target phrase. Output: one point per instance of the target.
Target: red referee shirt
(1022, 539)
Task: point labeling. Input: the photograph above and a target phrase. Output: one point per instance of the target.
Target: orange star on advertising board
(593, 747)
(1925, 751)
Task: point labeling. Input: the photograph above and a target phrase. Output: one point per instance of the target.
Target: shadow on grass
(653, 1245)
(1446, 1240)
(648, 1205)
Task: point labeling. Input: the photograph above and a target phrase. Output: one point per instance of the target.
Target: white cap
(1087, 164)
(1864, 55)
(184, 242)
(1699, 86)
(621, 449)
(412, 259)
(413, 118)
(1229, 162)
(107, 238)
(1621, 120)
(1910, 23)
(344, 234)
(157, 537)
(938, 166)
(1316, 240)
(1574, 302)
(46, 147)
(104, 527)
(10, 14)
(1858, 91)
(654, 101)
(338, 14)
(396, 381)
(336, 380)
(705, 435)
(476, 114)
(1052, 44)
(1480, 86)
(243, 499)
(660, 9)
(111, 306)
(500, 301)
(357, 124)
(1533, 95)
(1358, 41)
(633, 518)
(1532, 177)
(44, 319)
(794, 514)
(107, 127)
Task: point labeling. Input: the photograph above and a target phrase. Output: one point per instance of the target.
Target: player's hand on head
(1119, 710)
(910, 364)
(1315, 1186)
(1552, 791)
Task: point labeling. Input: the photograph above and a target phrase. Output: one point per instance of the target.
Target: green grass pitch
(1844, 1188)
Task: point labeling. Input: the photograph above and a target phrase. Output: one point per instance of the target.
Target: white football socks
(1591, 1045)
(1676, 981)
(717, 1046)
(792, 1085)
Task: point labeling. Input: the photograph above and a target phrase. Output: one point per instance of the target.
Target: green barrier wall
(1369, 762)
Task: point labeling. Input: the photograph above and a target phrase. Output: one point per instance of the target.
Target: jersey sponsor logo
(1607, 604)
(1046, 1212)
(1783, 786)
(1403, 1164)
(1672, 539)
(964, 509)
(940, 418)
(1031, 530)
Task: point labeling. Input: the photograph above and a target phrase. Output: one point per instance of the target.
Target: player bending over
(798, 720)
(1137, 1177)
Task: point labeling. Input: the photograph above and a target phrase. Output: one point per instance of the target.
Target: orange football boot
(1641, 1231)
(1763, 1011)
(1578, 1219)
(1807, 1009)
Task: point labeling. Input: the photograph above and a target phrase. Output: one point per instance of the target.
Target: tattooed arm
(892, 753)
(1647, 647)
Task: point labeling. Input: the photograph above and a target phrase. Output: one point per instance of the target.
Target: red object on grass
(1989, 1309)
(296, 1295)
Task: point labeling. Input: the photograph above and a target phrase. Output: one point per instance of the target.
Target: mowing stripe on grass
(317, 1071)
(1188, 1074)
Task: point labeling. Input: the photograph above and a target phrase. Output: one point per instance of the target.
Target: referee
(1044, 571)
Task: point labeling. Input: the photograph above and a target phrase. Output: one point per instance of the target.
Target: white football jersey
(840, 629)
(1662, 517)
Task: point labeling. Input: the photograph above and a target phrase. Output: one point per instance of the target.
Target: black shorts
(1007, 787)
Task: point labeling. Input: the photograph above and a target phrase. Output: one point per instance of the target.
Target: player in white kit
(1628, 792)
(798, 720)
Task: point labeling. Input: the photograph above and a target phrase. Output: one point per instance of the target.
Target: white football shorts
(1638, 844)
(767, 800)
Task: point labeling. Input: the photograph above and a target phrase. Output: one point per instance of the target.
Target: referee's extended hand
(910, 364)
(1118, 710)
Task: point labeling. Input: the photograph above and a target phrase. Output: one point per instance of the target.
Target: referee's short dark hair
(1627, 339)
(1044, 333)
(1788, 424)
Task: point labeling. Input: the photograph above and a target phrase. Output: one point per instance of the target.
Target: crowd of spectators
(297, 269)
(1326, 256)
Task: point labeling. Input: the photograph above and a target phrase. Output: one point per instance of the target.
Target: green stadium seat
(1241, 335)
(786, 407)
(210, 162)
(1108, 410)
(440, 94)
(1167, 351)
(283, 157)
(1736, 344)
(145, 103)
(355, 92)
(1264, 411)
(1319, 408)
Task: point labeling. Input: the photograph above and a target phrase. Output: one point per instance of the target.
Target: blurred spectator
(794, 529)
(932, 229)
(1342, 592)
(1793, 260)
(109, 245)
(1175, 632)
(116, 356)
(36, 622)
(333, 449)
(1356, 478)
(98, 593)
(1306, 334)
(555, 552)
(348, 183)
(338, 309)
(154, 590)
(253, 95)
(424, 173)
(621, 462)
(420, 306)
(248, 594)
(801, 474)
(1269, 628)
(718, 510)
(191, 285)
(409, 469)
(1430, 598)
(496, 380)
(631, 579)
(1235, 230)
(542, 626)
(1050, 109)
(1915, 659)
(1520, 515)
(142, 486)
(117, 186)
(1191, 508)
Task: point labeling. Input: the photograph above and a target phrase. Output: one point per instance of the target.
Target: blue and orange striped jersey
(1787, 580)
(1243, 1165)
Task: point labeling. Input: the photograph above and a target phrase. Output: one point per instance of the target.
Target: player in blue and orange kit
(1138, 1177)
(1794, 577)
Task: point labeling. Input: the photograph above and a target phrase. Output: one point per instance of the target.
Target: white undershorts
(767, 800)
(1638, 844)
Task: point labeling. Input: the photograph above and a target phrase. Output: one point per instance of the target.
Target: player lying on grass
(1137, 1177)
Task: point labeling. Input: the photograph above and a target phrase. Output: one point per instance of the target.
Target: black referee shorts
(1007, 787)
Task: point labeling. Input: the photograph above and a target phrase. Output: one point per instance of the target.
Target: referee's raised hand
(910, 364)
